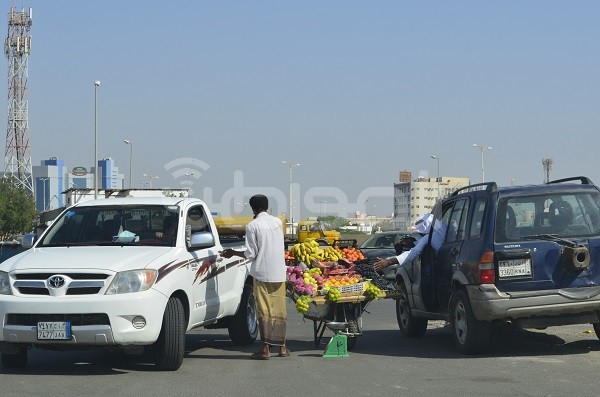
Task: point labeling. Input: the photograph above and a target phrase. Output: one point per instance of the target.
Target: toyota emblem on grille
(56, 281)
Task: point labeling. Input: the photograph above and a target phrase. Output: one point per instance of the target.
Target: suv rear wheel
(470, 335)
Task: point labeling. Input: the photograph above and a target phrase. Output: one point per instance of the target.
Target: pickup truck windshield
(146, 225)
(561, 216)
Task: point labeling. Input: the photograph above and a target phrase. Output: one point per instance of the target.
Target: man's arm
(228, 253)
(403, 258)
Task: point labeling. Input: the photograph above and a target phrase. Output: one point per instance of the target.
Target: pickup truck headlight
(5, 284)
(132, 281)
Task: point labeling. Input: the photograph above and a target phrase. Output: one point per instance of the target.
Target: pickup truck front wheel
(471, 336)
(170, 346)
(243, 327)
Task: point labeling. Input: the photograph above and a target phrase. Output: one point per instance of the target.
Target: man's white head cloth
(423, 224)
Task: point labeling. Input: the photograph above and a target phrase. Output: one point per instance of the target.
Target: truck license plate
(514, 268)
(54, 330)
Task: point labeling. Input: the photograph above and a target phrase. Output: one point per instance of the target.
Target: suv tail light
(487, 273)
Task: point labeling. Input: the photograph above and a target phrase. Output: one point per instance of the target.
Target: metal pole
(130, 163)
(130, 143)
(96, 85)
(291, 164)
(482, 168)
(290, 214)
(482, 149)
(438, 173)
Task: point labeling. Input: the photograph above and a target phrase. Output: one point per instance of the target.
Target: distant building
(415, 198)
(109, 177)
(49, 183)
(52, 178)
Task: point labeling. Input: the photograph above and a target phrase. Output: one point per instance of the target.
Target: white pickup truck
(129, 273)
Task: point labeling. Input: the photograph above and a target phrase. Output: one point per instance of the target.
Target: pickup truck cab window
(196, 220)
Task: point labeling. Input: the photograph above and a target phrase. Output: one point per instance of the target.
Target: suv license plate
(514, 268)
(54, 330)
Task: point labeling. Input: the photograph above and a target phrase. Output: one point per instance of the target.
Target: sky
(353, 91)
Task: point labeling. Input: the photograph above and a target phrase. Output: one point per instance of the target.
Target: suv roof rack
(584, 180)
(488, 186)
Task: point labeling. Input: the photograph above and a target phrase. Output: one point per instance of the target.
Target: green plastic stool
(338, 344)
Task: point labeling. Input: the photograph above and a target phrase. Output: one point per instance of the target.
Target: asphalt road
(558, 361)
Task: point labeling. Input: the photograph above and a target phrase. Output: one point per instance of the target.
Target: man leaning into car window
(423, 226)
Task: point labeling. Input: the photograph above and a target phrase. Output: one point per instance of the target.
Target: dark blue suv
(528, 255)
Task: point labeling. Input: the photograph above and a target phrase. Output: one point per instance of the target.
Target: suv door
(454, 218)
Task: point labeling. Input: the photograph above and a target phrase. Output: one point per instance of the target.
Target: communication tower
(547, 164)
(17, 46)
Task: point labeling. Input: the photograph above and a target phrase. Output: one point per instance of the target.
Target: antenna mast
(17, 46)
(547, 164)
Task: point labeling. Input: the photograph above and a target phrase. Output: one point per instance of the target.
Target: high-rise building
(108, 176)
(415, 198)
(49, 179)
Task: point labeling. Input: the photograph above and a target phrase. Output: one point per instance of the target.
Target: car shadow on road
(506, 341)
(220, 347)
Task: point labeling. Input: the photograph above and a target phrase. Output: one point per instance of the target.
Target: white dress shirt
(265, 248)
(439, 233)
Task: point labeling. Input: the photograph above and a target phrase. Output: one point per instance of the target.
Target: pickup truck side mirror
(202, 240)
(28, 240)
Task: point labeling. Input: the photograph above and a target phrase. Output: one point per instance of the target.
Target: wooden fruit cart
(348, 310)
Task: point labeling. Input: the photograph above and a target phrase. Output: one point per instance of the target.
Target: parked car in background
(386, 244)
(9, 249)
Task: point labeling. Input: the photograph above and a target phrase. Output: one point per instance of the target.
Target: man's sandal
(284, 354)
(259, 355)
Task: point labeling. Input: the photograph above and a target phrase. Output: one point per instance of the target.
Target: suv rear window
(566, 215)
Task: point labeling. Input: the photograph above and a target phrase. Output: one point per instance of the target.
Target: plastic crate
(350, 243)
(358, 287)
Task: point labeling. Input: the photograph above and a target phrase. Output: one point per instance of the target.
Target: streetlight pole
(96, 85)
(438, 173)
(291, 164)
(188, 174)
(150, 177)
(128, 142)
(482, 149)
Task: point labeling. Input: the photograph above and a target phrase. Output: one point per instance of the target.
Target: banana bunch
(307, 251)
(331, 254)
